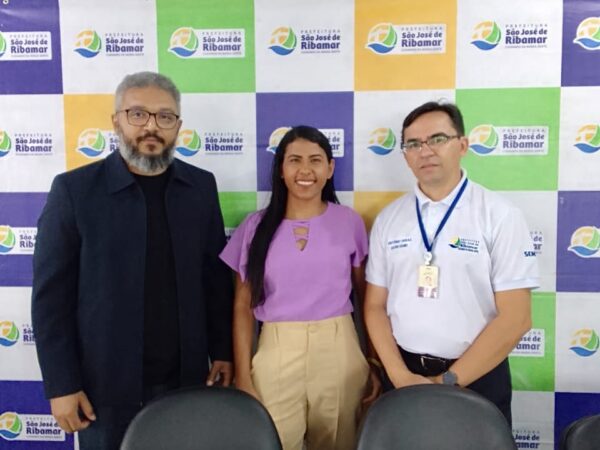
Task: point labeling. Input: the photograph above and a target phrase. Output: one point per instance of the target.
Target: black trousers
(495, 385)
(108, 430)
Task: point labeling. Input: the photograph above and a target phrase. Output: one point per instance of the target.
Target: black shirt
(161, 316)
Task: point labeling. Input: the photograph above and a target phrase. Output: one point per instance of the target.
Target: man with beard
(130, 299)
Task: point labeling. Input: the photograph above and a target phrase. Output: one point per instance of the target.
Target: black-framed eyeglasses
(434, 142)
(139, 117)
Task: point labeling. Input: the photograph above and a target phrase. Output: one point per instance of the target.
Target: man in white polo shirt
(450, 269)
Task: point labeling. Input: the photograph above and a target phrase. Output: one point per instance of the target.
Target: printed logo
(187, 42)
(276, 137)
(527, 438)
(10, 426)
(88, 43)
(382, 38)
(91, 142)
(483, 139)
(7, 239)
(17, 241)
(465, 245)
(588, 34)
(9, 333)
(486, 35)
(26, 144)
(5, 143)
(502, 141)
(585, 342)
(283, 41)
(223, 142)
(29, 427)
(188, 142)
(2, 45)
(390, 39)
(184, 42)
(532, 344)
(26, 45)
(382, 141)
(587, 140)
(585, 242)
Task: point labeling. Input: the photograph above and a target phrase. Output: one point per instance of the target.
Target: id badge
(427, 286)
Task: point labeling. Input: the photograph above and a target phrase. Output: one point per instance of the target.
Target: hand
(221, 373)
(409, 379)
(66, 410)
(248, 388)
(373, 388)
(437, 379)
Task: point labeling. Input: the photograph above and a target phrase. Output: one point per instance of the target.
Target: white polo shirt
(485, 247)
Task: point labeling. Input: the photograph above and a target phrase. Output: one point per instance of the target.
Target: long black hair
(275, 211)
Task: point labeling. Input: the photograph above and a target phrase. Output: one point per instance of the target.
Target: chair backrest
(214, 418)
(582, 434)
(439, 417)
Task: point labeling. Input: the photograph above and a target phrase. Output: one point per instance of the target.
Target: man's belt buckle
(438, 363)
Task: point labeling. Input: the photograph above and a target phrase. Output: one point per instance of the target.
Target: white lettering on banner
(220, 43)
(27, 46)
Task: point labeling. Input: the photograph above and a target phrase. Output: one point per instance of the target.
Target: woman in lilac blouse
(296, 263)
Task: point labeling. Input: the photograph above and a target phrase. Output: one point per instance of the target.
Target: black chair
(582, 434)
(434, 417)
(214, 418)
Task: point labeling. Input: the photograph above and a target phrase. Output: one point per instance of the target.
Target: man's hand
(73, 412)
(221, 373)
(409, 379)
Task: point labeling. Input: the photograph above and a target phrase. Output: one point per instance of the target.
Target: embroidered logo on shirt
(465, 245)
(395, 244)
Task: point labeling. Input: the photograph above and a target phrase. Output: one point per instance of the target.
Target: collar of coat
(119, 177)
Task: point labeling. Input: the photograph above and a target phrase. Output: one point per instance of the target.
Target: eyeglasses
(434, 142)
(140, 117)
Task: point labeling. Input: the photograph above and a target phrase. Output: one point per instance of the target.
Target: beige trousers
(311, 377)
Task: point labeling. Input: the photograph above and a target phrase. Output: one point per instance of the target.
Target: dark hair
(450, 109)
(275, 212)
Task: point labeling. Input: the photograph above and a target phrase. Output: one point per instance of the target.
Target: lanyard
(428, 246)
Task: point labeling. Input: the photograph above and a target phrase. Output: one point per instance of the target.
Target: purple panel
(19, 210)
(320, 110)
(576, 273)
(27, 397)
(569, 407)
(31, 77)
(580, 66)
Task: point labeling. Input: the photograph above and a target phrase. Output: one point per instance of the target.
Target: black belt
(424, 364)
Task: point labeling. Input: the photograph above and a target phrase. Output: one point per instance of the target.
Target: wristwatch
(450, 378)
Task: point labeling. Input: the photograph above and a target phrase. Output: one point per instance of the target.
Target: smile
(305, 182)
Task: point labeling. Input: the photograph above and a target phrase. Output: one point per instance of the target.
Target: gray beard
(146, 164)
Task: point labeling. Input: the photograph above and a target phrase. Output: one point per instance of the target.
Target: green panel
(507, 108)
(207, 74)
(236, 206)
(537, 373)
